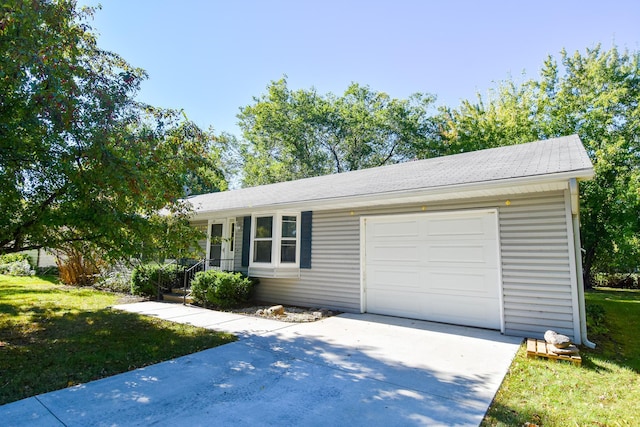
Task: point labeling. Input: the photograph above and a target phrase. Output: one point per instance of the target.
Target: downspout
(575, 217)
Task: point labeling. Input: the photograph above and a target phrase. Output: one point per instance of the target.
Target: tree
(296, 134)
(594, 95)
(80, 159)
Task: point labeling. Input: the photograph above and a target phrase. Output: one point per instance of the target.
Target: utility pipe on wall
(575, 216)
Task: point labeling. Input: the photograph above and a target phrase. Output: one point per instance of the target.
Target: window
(215, 249)
(263, 239)
(275, 240)
(288, 242)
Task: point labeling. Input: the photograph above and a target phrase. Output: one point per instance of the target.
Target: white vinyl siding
(334, 279)
(538, 289)
(536, 267)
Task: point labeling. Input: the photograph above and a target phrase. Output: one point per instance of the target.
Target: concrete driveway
(352, 369)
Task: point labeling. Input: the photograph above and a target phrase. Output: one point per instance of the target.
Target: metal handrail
(162, 267)
(201, 265)
(187, 273)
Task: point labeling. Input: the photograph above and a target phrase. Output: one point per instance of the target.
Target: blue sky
(212, 57)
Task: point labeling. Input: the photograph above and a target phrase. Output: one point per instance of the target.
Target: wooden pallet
(539, 348)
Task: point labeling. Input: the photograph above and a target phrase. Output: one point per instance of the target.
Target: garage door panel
(450, 227)
(457, 253)
(440, 308)
(465, 311)
(395, 253)
(386, 302)
(398, 280)
(395, 229)
(442, 267)
(478, 283)
(460, 228)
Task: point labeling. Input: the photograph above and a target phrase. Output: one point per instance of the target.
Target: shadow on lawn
(13, 291)
(58, 347)
(617, 349)
(620, 343)
(51, 278)
(523, 417)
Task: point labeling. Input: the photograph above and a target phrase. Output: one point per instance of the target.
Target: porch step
(175, 297)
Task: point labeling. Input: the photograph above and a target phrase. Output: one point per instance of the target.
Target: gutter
(424, 194)
(575, 216)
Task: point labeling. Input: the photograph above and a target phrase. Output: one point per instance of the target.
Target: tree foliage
(595, 95)
(296, 134)
(80, 159)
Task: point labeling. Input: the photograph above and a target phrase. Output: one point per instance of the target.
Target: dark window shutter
(305, 239)
(246, 240)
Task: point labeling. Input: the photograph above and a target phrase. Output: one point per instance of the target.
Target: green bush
(596, 319)
(115, 280)
(617, 280)
(11, 258)
(144, 278)
(17, 268)
(220, 288)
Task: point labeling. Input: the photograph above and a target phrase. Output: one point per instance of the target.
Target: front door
(222, 244)
(229, 246)
(215, 245)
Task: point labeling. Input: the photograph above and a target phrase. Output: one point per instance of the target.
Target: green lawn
(605, 391)
(52, 337)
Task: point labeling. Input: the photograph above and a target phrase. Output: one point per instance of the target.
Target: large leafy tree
(80, 159)
(295, 134)
(596, 95)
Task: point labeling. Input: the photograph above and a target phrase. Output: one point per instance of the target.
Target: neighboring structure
(42, 258)
(487, 238)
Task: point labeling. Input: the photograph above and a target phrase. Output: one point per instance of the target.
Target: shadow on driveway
(345, 370)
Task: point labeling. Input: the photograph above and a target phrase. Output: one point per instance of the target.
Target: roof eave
(495, 188)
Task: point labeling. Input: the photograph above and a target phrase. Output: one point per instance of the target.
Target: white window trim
(276, 238)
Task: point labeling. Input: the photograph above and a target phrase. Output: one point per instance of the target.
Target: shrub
(144, 278)
(220, 288)
(618, 280)
(17, 268)
(79, 264)
(10, 258)
(596, 319)
(115, 280)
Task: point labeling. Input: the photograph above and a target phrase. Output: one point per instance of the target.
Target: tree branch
(17, 235)
(390, 154)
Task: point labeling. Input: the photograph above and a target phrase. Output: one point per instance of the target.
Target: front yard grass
(52, 337)
(605, 391)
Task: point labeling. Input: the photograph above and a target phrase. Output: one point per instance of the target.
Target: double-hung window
(289, 239)
(276, 240)
(263, 240)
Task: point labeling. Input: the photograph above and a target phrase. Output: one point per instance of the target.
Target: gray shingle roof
(530, 160)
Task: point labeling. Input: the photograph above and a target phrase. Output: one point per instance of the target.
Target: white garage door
(442, 267)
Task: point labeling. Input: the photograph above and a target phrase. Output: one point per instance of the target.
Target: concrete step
(179, 291)
(173, 297)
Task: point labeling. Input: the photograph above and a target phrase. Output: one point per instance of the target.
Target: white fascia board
(509, 186)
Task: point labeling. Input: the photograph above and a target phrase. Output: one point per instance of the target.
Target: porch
(179, 286)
